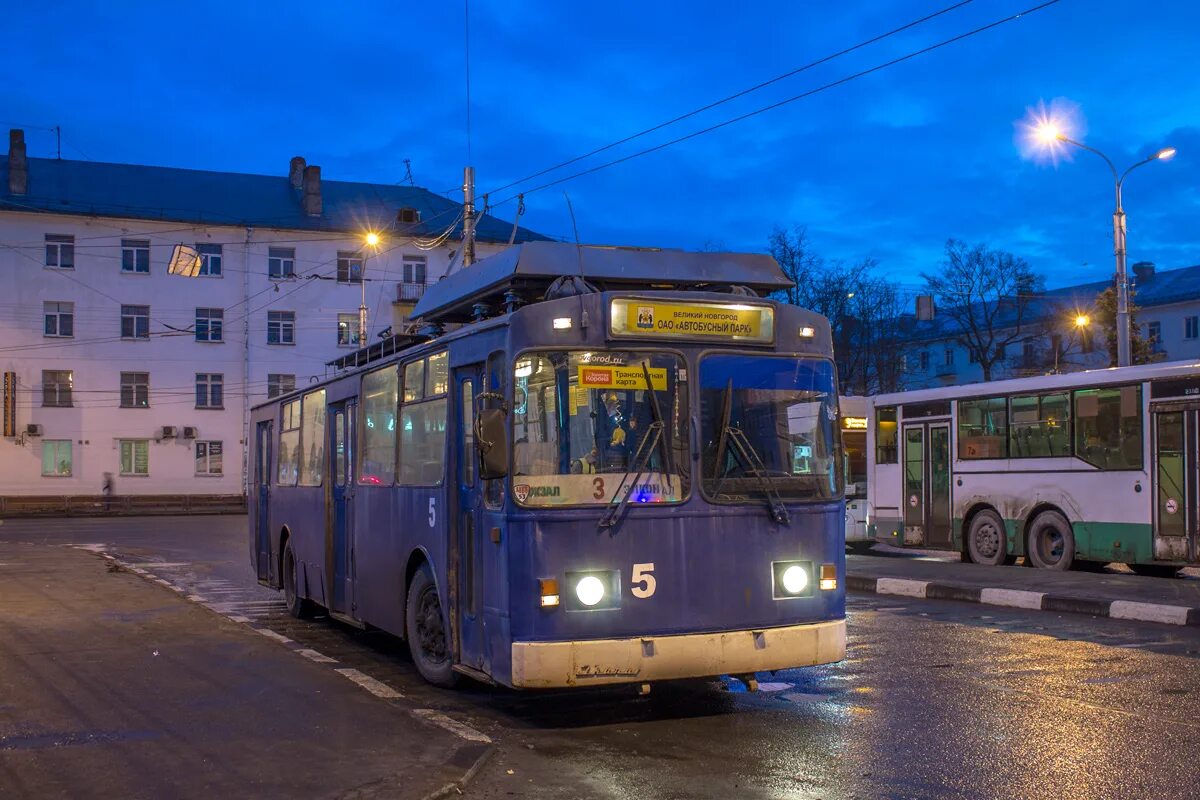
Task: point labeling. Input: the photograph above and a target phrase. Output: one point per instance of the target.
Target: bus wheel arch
(298, 606)
(285, 534)
(985, 537)
(1049, 539)
(425, 624)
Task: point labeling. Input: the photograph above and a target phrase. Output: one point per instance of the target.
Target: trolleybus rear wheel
(1155, 570)
(987, 542)
(297, 606)
(1051, 543)
(426, 629)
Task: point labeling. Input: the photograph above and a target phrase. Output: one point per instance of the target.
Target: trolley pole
(468, 216)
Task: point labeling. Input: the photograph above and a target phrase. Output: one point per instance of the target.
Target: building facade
(116, 370)
(1049, 340)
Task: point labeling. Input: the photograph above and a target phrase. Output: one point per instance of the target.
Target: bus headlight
(791, 579)
(592, 590)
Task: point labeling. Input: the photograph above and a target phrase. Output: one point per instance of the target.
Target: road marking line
(901, 586)
(270, 634)
(239, 618)
(1148, 612)
(459, 729)
(370, 684)
(1013, 598)
(320, 658)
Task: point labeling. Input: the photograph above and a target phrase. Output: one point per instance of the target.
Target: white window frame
(62, 310)
(134, 446)
(346, 261)
(351, 339)
(285, 321)
(279, 258)
(276, 382)
(134, 385)
(60, 244)
(210, 381)
(211, 254)
(207, 471)
(57, 451)
(134, 247)
(134, 314)
(58, 388)
(1191, 327)
(209, 316)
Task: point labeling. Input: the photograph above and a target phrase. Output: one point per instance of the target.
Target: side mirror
(491, 441)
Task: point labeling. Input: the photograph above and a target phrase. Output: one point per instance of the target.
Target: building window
(60, 251)
(924, 361)
(1154, 334)
(135, 322)
(281, 327)
(135, 256)
(278, 383)
(59, 319)
(135, 456)
(135, 390)
(56, 388)
(56, 458)
(209, 322)
(210, 259)
(281, 262)
(1191, 327)
(413, 285)
(208, 458)
(349, 267)
(347, 330)
(210, 390)
(949, 357)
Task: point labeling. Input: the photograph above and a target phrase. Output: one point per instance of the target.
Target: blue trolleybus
(593, 466)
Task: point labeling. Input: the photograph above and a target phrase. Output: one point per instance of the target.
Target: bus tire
(425, 628)
(987, 540)
(1051, 542)
(1155, 570)
(299, 607)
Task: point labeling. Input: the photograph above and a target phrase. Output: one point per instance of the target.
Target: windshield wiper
(640, 460)
(668, 471)
(752, 462)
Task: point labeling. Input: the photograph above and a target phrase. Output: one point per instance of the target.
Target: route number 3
(642, 581)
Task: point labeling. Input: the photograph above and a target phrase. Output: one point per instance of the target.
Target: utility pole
(468, 216)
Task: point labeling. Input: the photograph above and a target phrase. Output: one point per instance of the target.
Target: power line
(801, 96)
(743, 93)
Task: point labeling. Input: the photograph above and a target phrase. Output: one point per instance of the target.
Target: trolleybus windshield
(769, 428)
(586, 427)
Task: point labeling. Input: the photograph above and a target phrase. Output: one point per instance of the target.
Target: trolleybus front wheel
(297, 606)
(1051, 543)
(426, 630)
(987, 541)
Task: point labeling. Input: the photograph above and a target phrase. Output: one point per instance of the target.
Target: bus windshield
(769, 428)
(591, 427)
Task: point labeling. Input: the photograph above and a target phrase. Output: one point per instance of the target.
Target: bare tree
(793, 250)
(989, 296)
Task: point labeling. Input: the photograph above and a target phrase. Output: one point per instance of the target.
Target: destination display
(738, 322)
(590, 489)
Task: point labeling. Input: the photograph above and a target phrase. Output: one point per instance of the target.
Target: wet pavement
(935, 699)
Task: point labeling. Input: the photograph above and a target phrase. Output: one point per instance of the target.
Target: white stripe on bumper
(657, 658)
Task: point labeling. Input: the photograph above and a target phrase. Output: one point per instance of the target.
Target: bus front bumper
(544, 665)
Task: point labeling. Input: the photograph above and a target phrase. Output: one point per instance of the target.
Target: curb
(1020, 598)
(477, 755)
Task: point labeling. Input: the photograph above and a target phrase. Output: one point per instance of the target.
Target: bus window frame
(425, 398)
(1004, 437)
(1144, 422)
(1070, 422)
(282, 429)
(895, 447)
(362, 425)
(583, 348)
(839, 493)
(496, 365)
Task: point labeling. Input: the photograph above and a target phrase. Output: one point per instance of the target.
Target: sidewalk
(111, 686)
(1168, 600)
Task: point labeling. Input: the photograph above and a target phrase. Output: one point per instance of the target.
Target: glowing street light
(1082, 321)
(1049, 133)
(372, 239)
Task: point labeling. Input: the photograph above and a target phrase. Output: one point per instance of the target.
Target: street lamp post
(1050, 134)
(372, 241)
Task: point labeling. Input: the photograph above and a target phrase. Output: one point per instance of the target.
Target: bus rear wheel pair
(1049, 542)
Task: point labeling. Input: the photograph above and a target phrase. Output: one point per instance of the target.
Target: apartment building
(114, 367)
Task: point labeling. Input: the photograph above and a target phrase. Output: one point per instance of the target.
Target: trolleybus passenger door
(468, 528)
(927, 485)
(1177, 484)
(264, 439)
(341, 470)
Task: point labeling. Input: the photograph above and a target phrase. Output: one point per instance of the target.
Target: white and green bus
(853, 416)
(1098, 466)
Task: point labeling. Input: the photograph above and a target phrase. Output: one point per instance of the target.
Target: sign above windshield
(739, 322)
(621, 378)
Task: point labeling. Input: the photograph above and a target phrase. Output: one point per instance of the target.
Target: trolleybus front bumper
(695, 655)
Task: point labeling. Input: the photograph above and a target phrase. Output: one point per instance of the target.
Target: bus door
(264, 438)
(341, 472)
(927, 484)
(1177, 483)
(466, 536)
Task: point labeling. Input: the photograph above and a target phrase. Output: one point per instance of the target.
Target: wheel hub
(430, 633)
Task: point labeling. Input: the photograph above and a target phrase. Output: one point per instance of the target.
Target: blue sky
(889, 165)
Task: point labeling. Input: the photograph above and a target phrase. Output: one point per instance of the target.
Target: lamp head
(1165, 154)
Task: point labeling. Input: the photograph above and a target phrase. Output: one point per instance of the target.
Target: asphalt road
(935, 699)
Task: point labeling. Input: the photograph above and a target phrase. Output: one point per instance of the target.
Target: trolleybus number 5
(642, 580)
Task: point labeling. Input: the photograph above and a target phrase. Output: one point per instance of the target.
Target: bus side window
(885, 435)
(495, 373)
(1108, 427)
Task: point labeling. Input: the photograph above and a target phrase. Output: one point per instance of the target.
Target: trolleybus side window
(494, 380)
(983, 428)
(885, 435)
(1039, 426)
(423, 422)
(289, 443)
(377, 453)
(1108, 427)
(312, 439)
(586, 430)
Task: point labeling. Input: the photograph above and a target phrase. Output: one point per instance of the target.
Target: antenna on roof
(583, 318)
(408, 172)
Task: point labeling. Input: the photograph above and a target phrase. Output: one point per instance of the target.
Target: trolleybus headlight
(589, 590)
(792, 579)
